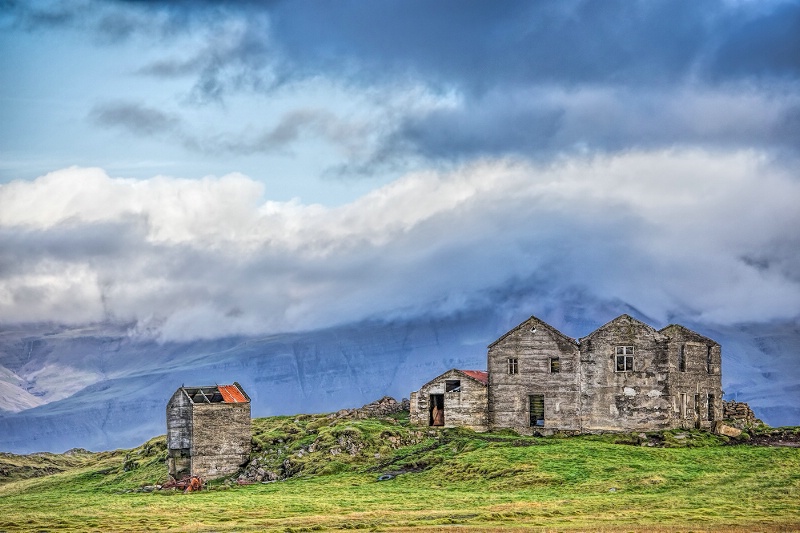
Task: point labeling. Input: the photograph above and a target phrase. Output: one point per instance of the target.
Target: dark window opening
(436, 410)
(708, 360)
(555, 365)
(697, 410)
(711, 406)
(624, 359)
(513, 365)
(536, 402)
(452, 385)
(682, 359)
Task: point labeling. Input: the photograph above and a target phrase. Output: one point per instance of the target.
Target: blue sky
(208, 168)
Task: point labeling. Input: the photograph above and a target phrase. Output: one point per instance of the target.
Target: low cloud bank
(693, 235)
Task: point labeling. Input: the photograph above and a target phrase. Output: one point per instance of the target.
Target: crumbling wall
(740, 414)
(695, 379)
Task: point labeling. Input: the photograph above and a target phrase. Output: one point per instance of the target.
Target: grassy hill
(327, 473)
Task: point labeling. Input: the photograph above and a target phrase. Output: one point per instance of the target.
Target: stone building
(623, 376)
(456, 398)
(208, 431)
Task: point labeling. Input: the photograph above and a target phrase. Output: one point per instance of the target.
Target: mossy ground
(453, 480)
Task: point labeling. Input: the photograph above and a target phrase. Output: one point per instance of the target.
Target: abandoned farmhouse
(625, 375)
(208, 431)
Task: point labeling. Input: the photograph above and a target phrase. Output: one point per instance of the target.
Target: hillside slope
(381, 473)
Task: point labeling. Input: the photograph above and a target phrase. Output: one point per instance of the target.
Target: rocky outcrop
(384, 407)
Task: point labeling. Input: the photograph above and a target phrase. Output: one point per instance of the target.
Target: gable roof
(216, 394)
(480, 376)
(538, 322)
(686, 332)
(620, 318)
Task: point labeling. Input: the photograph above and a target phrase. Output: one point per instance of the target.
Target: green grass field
(451, 480)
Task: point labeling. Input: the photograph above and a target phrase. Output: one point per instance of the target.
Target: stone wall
(739, 413)
(221, 438)
(534, 345)
(633, 398)
(695, 379)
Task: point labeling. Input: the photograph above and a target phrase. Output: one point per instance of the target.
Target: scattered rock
(728, 431)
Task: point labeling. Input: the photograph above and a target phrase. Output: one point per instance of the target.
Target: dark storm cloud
(480, 44)
(134, 118)
(476, 44)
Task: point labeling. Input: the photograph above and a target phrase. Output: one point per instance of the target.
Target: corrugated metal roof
(480, 375)
(231, 394)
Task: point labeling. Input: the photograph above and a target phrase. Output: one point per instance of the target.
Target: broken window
(536, 402)
(513, 365)
(452, 385)
(555, 365)
(711, 406)
(682, 359)
(624, 359)
(708, 360)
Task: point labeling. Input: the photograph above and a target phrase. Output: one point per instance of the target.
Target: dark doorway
(437, 410)
(537, 409)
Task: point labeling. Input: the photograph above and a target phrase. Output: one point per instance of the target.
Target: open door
(436, 417)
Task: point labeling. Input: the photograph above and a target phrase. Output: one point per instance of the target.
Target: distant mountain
(100, 388)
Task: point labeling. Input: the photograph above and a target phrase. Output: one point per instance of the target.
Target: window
(684, 405)
(452, 385)
(555, 365)
(682, 359)
(711, 406)
(536, 402)
(513, 365)
(708, 360)
(624, 359)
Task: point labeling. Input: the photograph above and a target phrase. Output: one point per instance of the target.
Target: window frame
(452, 385)
(555, 365)
(513, 366)
(626, 355)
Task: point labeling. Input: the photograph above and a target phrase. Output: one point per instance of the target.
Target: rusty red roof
(231, 394)
(480, 375)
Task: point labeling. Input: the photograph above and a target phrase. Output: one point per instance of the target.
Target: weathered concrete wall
(695, 380)
(464, 408)
(667, 379)
(635, 399)
(179, 431)
(221, 438)
(509, 405)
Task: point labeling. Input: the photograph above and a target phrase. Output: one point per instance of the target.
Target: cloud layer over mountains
(682, 235)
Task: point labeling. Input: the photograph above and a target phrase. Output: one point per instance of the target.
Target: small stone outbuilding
(208, 431)
(456, 398)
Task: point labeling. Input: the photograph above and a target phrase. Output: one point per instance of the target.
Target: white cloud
(674, 233)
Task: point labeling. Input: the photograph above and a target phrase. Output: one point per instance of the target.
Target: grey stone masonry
(624, 376)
